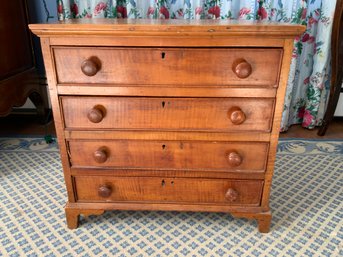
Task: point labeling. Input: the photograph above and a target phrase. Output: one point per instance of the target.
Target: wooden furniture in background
(18, 74)
(336, 67)
(167, 115)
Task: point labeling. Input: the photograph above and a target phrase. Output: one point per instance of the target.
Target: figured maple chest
(167, 115)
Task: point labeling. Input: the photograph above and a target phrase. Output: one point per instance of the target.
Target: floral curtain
(309, 78)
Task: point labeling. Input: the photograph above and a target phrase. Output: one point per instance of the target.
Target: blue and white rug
(306, 202)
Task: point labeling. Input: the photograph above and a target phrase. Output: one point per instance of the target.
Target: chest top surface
(167, 28)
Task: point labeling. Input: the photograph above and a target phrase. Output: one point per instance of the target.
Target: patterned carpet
(306, 203)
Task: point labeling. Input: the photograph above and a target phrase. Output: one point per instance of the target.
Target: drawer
(183, 155)
(168, 66)
(181, 114)
(181, 190)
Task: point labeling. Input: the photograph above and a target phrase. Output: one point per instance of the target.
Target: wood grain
(181, 114)
(170, 66)
(57, 115)
(166, 91)
(168, 41)
(250, 212)
(185, 155)
(72, 215)
(168, 190)
(279, 106)
(161, 28)
(163, 135)
(139, 172)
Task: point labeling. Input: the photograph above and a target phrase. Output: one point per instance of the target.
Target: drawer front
(181, 114)
(183, 155)
(181, 190)
(183, 66)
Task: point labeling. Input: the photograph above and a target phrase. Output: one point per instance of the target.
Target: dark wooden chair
(337, 67)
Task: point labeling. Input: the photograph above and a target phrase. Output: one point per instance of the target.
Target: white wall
(339, 108)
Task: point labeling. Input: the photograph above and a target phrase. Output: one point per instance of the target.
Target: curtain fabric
(309, 78)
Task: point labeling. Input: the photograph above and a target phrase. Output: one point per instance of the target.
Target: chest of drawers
(167, 115)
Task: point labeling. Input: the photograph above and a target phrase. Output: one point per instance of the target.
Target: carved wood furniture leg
(41, 103)
(263, 219)
(72, 215)
(336, 68)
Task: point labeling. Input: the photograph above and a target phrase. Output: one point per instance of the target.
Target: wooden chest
(167, 115)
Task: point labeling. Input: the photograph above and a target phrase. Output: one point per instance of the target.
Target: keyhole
(163, 55)
(163, 183)
(163, 104)
(163, 147)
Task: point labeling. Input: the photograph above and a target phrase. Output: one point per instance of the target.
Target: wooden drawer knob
(95, 115)
(89, 67)
(104, 191)
(100, 155)
(234, 159)
(236, 115)
(241, 68)
(231, 195)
